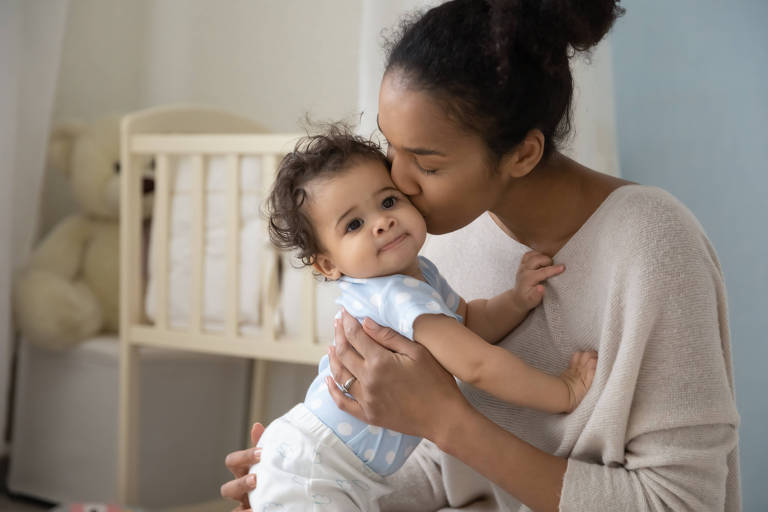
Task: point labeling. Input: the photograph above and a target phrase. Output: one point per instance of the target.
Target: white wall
(30, 35)
(268, 60)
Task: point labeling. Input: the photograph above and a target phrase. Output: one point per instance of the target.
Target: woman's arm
(402, 387)
(387, 373)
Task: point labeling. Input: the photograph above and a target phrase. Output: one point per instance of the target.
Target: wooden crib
(166, 134)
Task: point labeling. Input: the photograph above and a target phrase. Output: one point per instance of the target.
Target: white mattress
(253, 237)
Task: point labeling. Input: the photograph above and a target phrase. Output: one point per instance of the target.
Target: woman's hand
(399, 385)
(239, 463)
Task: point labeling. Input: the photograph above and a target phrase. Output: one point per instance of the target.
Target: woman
(474, 102)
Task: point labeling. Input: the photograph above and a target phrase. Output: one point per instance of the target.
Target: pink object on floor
(95, 507)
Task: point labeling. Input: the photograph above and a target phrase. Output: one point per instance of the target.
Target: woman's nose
(403, 178)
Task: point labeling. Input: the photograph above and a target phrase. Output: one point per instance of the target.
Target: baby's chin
(405, 268)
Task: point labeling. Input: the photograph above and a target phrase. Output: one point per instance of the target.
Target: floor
(18, 504)
(10, 503)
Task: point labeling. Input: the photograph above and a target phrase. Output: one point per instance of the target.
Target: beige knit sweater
(658, 428)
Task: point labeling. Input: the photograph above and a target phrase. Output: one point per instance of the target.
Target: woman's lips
(394, 242)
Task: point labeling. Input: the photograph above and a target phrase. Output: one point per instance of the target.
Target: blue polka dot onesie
(372, 452)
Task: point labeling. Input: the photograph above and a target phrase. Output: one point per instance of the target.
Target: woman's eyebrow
(415, 151)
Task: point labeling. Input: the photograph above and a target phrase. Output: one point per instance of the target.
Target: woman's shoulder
(643, 209)
(649, 222)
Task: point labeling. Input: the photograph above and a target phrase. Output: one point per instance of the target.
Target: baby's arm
(493, 318)
(499, 372)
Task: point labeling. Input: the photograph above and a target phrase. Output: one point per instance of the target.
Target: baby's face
(366, 226)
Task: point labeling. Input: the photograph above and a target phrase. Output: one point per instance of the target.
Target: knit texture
(658, 429)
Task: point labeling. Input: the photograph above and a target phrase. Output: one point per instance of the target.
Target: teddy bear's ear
(60, 144)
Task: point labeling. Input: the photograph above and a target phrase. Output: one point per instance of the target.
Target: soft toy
(68, 291)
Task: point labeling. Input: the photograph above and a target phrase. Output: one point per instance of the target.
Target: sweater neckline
(610, 198)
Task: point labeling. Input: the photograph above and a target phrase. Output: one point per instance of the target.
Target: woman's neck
(545, 208)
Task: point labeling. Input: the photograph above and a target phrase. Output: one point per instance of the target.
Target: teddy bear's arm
(61, 251)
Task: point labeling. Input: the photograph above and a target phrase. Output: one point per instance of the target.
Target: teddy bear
(68, 290)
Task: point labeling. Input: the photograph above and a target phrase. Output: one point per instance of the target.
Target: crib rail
(268, 343)
(167, 133)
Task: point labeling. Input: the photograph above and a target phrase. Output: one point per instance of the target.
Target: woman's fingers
(388, 338)
(339, 373)
(238, 490)
(240, 462)
(357, 338)
(345, 352)
(345, 403)
(256, 430)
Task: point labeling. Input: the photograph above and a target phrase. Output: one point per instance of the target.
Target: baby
(334, 201)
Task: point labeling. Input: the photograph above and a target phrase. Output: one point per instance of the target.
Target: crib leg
(258, 405)
(128, 426)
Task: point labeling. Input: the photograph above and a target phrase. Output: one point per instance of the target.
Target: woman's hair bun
(548, 29)
(583, 22)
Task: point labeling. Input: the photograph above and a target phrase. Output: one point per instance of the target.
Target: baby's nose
(384, 224)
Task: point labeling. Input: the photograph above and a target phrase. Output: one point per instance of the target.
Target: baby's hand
(578, 377)
(535, 268)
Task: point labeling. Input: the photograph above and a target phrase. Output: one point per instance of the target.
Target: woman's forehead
(413, 119)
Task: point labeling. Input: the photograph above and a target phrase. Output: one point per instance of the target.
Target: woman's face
(443, 168)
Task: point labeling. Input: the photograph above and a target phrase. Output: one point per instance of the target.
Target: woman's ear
(526, 155)
(326, 267)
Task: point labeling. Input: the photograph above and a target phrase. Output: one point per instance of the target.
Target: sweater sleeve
(676, 469)
(669, 390)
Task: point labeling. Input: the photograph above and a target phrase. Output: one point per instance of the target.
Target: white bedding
(253, 236)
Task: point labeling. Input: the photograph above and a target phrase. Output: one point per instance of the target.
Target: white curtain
(593, 141)
(30, 43)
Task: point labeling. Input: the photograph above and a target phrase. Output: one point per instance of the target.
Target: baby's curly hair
(320, 155)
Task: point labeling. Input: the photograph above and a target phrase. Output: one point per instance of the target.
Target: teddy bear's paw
(54, 312)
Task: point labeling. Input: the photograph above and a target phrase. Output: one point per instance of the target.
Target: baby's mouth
(393, 243)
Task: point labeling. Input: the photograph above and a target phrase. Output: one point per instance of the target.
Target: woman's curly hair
(319, 155)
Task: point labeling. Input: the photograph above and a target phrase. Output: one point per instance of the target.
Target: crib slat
(162, 216)
(269, 280)
(233, 244)
(309, 307)
(198, 243)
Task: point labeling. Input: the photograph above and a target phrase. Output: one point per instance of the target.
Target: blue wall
(691, 79)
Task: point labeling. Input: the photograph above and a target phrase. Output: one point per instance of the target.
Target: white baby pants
(305, 467)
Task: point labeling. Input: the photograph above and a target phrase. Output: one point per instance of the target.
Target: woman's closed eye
(428, 172)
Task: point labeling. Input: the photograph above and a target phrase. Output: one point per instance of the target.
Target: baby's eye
(354, 225)
(389, 202)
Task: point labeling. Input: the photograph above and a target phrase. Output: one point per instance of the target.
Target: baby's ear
(326, 267)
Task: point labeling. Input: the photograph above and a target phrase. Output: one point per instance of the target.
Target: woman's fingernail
(251, 480)
(257, 453)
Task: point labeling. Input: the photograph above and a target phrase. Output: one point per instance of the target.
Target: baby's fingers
(533, 260)
(533, 277)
